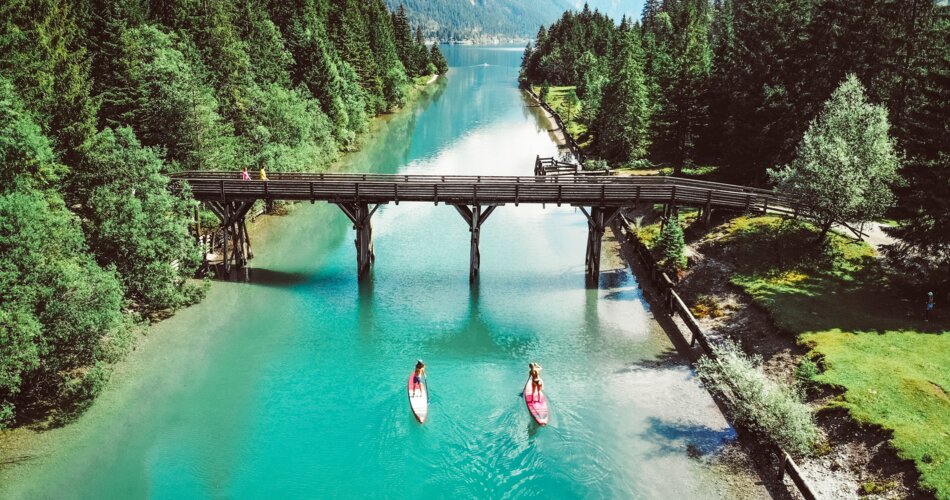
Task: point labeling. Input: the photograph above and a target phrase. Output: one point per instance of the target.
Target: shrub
(78, 391)
(545, 90)
(805, 372)
(707, 307)
(592, 165)
(671, 246)
(769, 408)
(6, 415)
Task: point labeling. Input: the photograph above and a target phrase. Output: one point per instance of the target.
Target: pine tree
(42, 50)
(160, 96)
(402, 34)
(270, 61)
(671, 245)
(423, 64)
(765, 78)
(350, 37)
(682, 82)
(438, 60)
(621, 130)
(318, 67)
(924, 203)
(525, 63)
(382, 42)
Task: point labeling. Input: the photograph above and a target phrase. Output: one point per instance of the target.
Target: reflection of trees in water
(474, 336)
(388, 146)
(366, 308)
(677, 437)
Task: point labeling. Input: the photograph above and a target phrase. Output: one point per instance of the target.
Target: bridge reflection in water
(600, 198)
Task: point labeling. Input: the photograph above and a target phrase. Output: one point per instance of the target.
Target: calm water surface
(292, 385)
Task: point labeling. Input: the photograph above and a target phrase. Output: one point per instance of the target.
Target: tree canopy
(736, 84)
(101, 99)
(846, 163)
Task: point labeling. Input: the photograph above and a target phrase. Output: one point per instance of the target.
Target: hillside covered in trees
(737, 83)
(480, 20)
(100, 99)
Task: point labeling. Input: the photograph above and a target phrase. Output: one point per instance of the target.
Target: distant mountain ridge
(613, 8)
(482, 20)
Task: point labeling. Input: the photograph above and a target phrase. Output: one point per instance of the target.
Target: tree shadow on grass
(806, 287)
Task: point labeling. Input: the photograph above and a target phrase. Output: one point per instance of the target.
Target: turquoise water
(293, 384)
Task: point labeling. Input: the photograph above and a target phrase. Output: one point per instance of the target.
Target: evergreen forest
(101, 99)
(748, 87)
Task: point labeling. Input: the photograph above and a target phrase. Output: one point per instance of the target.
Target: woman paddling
(417, 376)
(534, 371)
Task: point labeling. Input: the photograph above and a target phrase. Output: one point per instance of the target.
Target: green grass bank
(863, 328)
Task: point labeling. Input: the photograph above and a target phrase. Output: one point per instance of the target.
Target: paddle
(428, 398)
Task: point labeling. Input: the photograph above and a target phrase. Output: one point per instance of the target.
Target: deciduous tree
(846, 162)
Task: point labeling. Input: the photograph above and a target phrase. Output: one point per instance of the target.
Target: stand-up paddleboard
(418, 399)
(538, 409)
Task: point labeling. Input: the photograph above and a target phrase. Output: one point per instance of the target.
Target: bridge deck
(484, 190)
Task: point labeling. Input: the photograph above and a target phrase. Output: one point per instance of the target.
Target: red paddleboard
(418, 399)
(538, 409)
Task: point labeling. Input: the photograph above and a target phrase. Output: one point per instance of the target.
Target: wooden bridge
(600, 198)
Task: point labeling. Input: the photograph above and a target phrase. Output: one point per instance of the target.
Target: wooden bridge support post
(597, 221)
(475, 217)
(226, 233)
(235, 244)
(360, 214)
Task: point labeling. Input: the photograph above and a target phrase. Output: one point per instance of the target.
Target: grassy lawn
(871, 336)
(557, 99)
(697, 172)
(899, 380)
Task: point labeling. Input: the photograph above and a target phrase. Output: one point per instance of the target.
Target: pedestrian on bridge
(263, 174)
(244, 175)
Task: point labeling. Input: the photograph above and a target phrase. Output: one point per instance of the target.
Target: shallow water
(293, 385)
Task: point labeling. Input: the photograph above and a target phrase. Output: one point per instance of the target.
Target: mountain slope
(481, 20)
(613, 8)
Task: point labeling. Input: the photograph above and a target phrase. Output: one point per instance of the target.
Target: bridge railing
(576, 190)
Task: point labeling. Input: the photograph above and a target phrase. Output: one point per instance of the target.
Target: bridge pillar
(475, 216)
(597, 221)
(236, 244)
(360, 214)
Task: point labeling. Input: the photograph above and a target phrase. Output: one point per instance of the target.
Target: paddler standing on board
(417, 376)
(534, 371)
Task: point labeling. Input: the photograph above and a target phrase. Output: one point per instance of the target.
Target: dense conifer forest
(100, 99)
(752, 86)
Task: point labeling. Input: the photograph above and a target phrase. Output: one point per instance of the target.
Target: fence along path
(674, 304)
(475, 197)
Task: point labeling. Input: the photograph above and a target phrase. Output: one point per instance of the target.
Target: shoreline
(743, 453)
(29, 442)
(557, 133)
(858, 454)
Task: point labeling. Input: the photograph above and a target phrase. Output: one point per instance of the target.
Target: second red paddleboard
(538, 408)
